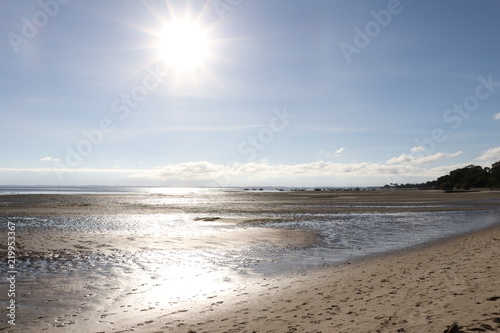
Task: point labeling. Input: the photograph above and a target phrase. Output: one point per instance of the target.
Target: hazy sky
(247, 92)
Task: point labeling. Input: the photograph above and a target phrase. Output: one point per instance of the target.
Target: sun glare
(183, 45)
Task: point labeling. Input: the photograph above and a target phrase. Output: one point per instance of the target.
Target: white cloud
(497, 116)
(340, 150)
(417, 149)
(492, 154)
(336, 153)
(181, 171)
(403, 158)
(415, 159)
(50, 159)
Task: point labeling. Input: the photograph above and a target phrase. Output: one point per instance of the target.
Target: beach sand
(424, 289)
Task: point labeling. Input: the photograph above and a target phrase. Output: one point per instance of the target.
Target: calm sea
(42, 189)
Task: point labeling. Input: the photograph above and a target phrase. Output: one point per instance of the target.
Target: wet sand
(417, 290)
(420, 290)
(243, 203)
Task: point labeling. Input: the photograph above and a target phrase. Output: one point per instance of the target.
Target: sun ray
(181, 38)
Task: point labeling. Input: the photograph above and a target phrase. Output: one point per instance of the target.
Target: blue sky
(302, 93)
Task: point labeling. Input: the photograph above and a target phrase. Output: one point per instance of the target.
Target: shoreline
(424, 289)
(427, 245)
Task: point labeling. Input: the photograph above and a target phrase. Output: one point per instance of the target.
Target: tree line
(471, 176)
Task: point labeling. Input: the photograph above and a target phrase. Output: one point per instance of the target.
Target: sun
(183, 45)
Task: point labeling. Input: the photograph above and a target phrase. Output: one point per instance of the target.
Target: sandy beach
(422, 289)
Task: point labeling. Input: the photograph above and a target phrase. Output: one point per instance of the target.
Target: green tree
(446, 186)
(494, 179)
(472, 176)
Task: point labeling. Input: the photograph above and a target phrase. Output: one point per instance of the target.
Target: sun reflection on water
(190, 277)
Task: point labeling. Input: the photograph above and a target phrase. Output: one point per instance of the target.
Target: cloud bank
(402, 169)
